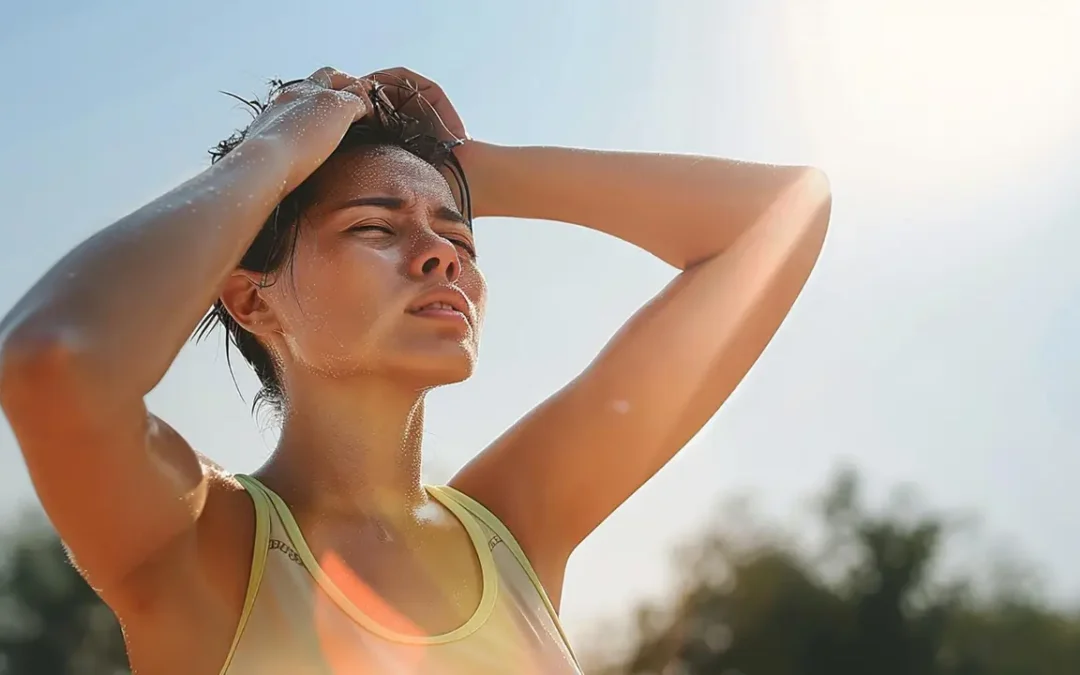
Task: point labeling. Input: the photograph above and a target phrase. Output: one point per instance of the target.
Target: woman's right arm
(86, 343)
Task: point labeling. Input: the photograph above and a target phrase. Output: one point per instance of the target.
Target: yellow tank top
(295, 619)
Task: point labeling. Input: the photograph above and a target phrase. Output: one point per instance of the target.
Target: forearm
(125, 301)
(683, 209)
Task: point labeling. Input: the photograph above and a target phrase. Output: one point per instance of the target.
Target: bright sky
(936, 343)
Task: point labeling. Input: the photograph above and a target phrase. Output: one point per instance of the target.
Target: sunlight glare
(921, 90)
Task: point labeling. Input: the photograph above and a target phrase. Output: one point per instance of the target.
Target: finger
(446, 114)
(361, 90)
(326, 78)
(293, 89)
(332, 78)
(431, 97)
(435, 114)
(405, 82)
(401, 75)
(284, 92)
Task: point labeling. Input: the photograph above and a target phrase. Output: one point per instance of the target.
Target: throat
(355, 453)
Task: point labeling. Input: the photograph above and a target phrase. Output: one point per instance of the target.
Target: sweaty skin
(165, 536)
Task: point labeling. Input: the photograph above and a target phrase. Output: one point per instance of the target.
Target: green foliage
(51, 622)
(870, 602)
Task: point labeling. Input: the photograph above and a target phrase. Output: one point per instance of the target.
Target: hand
(419, 97)
(309, 118)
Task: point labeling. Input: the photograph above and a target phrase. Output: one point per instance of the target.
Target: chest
(423, 581)
(297, 626)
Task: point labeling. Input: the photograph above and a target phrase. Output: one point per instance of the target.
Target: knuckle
(325, 95)
(288, 89)
(325, 76)
(333, 97)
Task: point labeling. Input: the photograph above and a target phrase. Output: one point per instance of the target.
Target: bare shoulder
(216, 553)
(193, 592)
(226, 530)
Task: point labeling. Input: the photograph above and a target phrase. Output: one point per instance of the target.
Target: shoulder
(226, 529)
(214, 556)
(192, 595)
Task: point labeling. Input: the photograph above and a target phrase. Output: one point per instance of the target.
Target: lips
(437, 305)
(444, 301)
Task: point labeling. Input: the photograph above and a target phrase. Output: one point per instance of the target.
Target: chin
(439, 377)
(437, 369)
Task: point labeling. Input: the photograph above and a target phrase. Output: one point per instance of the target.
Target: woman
(333, 238)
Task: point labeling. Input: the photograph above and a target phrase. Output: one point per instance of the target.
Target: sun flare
(934, 88)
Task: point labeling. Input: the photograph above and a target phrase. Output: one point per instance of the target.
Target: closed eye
(464, 245)
(371, 227)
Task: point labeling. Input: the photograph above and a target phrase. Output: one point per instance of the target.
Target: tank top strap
(263, 515)
(501, 534)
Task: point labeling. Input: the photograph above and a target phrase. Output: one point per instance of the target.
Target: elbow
(816, 179)
(800, 202)
(35, 361)
(806, 207)
(818, 193)
(815, 203)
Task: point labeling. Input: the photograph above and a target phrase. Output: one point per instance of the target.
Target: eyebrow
(397, 204)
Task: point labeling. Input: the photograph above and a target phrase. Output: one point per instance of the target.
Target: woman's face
(384, 280)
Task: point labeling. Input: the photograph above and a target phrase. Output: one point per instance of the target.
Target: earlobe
(243, 298)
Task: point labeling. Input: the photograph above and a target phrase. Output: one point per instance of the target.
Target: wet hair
(275, 244)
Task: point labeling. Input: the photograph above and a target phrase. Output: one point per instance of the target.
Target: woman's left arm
(745, 236)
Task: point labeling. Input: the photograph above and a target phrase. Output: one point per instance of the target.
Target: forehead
(384, 170)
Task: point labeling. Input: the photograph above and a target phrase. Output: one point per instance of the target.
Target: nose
(434, 257)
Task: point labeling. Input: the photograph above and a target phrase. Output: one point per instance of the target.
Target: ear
(243, 298)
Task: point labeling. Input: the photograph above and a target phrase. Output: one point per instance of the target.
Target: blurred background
(893, 488)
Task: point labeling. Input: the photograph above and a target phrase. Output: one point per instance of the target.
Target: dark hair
(275, 244)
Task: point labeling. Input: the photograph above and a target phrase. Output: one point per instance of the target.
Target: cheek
(474, 285)
(335, 297)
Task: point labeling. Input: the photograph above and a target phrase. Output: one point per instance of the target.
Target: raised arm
(745, 236)
(83, 347)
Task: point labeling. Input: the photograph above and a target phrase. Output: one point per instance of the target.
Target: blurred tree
(51, 622)
(756, 604)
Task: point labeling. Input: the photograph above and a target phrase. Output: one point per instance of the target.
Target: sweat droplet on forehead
(387, 170)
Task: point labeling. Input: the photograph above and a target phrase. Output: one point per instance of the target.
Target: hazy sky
(936, 343)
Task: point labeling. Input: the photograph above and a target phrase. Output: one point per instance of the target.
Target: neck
(350, 446)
